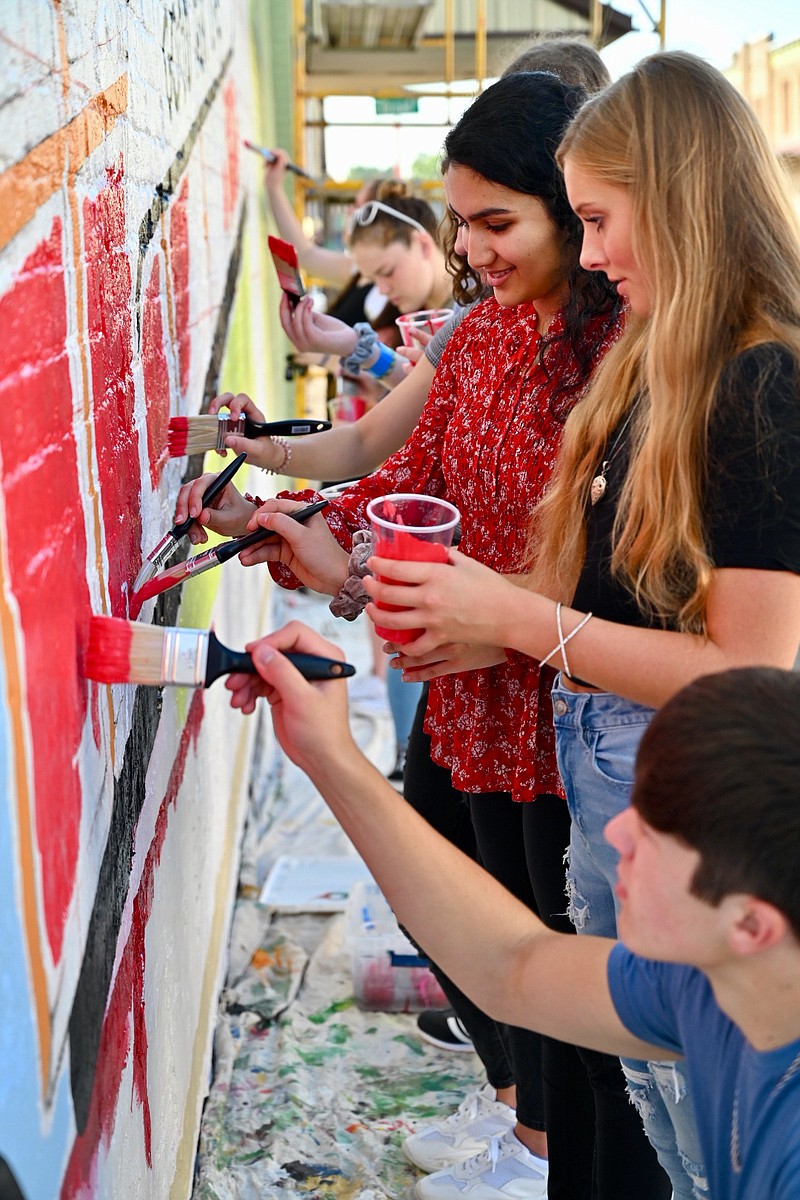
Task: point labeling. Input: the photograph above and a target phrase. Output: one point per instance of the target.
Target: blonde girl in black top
(689, 445)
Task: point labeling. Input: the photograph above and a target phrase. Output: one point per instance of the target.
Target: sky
(713, 29)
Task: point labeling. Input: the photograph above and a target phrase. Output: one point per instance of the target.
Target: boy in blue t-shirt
(709, 892)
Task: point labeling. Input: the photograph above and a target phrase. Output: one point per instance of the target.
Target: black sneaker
(441, 1027)
(398, 770)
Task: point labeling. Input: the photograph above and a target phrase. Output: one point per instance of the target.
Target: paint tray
(317, 885)
(389, 974)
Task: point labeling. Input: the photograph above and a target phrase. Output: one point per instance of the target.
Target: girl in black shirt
(670, 538)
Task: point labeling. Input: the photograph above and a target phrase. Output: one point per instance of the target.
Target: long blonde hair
(716, 236)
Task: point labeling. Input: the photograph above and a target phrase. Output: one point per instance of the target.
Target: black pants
(523, 846)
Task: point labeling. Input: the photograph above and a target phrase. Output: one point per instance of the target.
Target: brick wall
(128, 219)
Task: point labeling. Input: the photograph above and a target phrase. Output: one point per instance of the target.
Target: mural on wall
(122, 221)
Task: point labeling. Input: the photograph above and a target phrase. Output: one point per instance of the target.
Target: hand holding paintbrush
(166, 656)
(309, 550)
(288, 694)
(228, 516)
(235, 423)
(213, 486)
(215, 557)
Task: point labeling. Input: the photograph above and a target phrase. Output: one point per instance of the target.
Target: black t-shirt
(752, 492)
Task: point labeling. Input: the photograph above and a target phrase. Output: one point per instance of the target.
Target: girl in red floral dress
(487, 440)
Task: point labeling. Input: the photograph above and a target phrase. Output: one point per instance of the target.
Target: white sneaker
(504, 1171)
(470, 1129)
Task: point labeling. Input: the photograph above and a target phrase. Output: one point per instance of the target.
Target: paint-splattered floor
(311, 1096)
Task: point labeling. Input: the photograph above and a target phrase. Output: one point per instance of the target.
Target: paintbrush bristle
(125, 652)
(284, 251)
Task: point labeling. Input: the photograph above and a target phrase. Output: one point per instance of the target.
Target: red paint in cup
(410, 528)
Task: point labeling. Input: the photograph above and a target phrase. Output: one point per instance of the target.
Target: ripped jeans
(597, 735)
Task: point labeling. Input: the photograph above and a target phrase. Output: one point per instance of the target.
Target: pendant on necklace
(598, 488)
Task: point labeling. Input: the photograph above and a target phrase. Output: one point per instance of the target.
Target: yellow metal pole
(449, 42)
(662, 25)
(597, 23)
(299, 98)
(480, 43)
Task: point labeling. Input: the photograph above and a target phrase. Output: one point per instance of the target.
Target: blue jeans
(597, 736)
(403, 701)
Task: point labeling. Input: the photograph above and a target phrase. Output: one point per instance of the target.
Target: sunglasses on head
(369, 211)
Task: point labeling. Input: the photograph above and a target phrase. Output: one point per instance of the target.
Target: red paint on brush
(108, 654)
(124, 1032)
(177, 436)
(156, 376)
(284, 253)
(45, 550)
(109, 293)
(179, 266)
(153, 587)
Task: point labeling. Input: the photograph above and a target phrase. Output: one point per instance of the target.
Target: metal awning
(366, 48)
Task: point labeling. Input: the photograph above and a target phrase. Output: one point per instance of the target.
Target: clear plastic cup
(427, 319)
(410, 528)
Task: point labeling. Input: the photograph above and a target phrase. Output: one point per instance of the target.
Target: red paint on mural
(156, 376)
(179, 263)
(109, 298)
(46, 553)
(230, 175)
(124, 1033)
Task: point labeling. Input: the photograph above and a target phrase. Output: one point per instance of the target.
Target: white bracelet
(562, 641)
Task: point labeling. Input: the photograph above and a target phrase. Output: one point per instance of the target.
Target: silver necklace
(598, 488)
(736, 1156)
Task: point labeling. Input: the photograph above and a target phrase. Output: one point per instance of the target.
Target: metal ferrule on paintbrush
(244, 426)
(228, 426)
(156, 558)
(184, 657)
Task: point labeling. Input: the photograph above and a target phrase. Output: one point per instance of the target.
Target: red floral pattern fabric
(486, 441)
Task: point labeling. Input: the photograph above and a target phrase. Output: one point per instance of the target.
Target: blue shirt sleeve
(642, 993)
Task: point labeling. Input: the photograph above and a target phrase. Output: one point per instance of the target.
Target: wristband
(383, 364)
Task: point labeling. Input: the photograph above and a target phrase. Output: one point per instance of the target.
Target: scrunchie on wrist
(352, 598)
(367, 337)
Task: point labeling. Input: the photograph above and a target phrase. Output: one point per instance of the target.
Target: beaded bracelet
(287, 454)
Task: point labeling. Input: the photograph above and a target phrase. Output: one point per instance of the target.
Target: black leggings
(517, 843)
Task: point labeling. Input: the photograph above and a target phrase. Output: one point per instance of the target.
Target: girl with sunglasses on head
(668, 546)
(357, 299)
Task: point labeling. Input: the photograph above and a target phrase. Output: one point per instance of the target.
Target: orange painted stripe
(40, 174)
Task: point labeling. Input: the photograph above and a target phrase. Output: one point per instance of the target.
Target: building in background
(769, 77)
